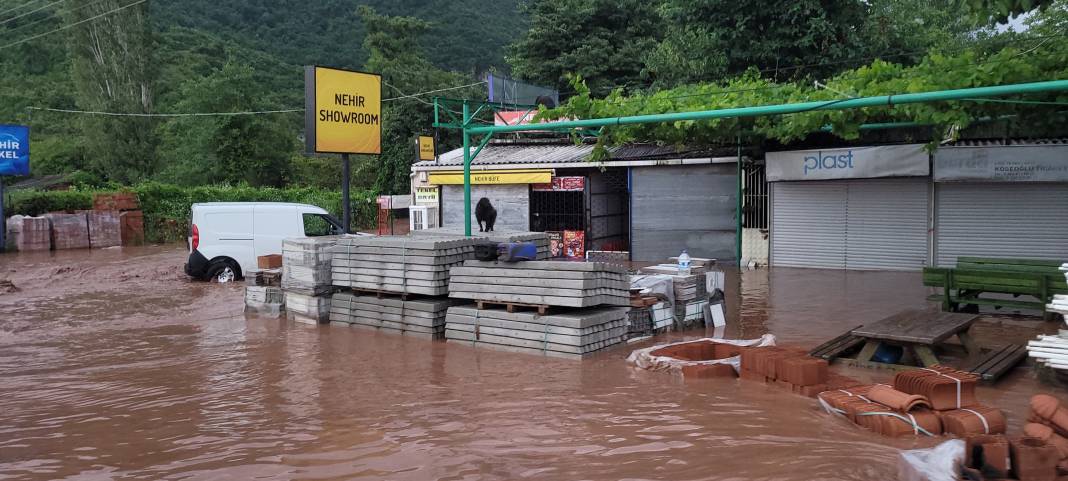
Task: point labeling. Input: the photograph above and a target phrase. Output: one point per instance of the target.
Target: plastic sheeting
(936, 464)
(644, 358)
(660, 286)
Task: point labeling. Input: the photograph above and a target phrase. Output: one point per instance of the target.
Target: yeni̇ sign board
(426, 147)
(343, 111)
(14, 150)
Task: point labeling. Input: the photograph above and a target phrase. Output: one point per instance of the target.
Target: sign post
(14, 160)
(343, 115)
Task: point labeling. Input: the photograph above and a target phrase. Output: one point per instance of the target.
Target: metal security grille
(557, 211)
(754, 197)
(609, 211)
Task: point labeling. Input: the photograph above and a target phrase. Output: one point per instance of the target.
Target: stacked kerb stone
(540, 239)
(561, 309)
(399, 285)
(306, 278)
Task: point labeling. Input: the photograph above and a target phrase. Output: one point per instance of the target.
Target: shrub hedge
(166, 207)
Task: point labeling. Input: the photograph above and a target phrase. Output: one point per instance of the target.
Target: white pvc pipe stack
(1050, 351)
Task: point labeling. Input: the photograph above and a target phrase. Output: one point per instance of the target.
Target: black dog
(484, 212)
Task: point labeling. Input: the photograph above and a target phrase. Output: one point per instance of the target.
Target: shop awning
(517, 176)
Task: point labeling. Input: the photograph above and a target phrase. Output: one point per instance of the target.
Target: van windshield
(321, 224)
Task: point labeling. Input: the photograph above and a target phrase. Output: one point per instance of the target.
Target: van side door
(273, 224)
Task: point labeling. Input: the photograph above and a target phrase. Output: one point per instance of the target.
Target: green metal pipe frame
(766, 110)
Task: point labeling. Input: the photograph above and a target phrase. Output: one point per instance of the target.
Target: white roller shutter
(887, 224)
(808, 224)
(862, 224)
(1024, 220)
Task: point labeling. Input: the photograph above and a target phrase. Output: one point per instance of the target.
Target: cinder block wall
(512, 202)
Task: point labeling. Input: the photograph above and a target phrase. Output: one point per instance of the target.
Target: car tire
(223, 270)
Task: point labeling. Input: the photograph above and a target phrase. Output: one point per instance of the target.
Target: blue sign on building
(14, 150)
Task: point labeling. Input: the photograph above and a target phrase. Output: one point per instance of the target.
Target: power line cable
(52, 17)
(16, 17)
(5, 12)
(230, 114)
(65, 27)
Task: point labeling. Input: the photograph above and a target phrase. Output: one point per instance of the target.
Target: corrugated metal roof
(1004, 142)
(533, 154)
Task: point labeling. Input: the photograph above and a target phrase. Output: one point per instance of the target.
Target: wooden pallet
(837, 346)
(382, 294)
(511, 306)
(996, 362)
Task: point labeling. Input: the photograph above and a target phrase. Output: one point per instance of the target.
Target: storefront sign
(493, 177)
(849, 163)
(1018, 163)
(426, 195)
(343, 111)
(562, 184)
(14, 150)
(426, 147)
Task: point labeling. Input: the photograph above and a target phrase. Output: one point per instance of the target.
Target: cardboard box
(270, 261)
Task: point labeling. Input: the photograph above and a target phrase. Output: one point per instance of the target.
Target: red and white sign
(563, 184)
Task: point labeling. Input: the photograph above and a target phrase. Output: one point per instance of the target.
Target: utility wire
(38, 9)
(5, 12)
(232, 114)
(65, 27)
(51, 17)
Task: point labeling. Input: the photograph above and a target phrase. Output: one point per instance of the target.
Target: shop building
(649, 200)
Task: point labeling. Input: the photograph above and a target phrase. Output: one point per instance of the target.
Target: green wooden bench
(963, 287)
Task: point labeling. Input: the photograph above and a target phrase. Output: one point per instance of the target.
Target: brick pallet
(29, 233)
(69, 231)
(540, 239)
(421, 318)
(573, 334)
(395, 264)
(564, 284)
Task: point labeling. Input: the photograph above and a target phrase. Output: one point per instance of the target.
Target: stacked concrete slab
(69, 231)
(306, 278)
(572, 334)
(420, 318)
(399, 265)
(29, 233)
(547, 283)
(540, 239)
(267, 300)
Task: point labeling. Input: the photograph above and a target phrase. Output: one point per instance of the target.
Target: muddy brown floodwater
(114, 366)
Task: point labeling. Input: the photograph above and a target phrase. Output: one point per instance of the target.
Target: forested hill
(466, 35)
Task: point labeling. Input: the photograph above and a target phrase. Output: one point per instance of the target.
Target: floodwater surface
(114, 366)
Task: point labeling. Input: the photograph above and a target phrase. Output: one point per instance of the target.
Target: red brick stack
(69, 231)
(790, 369)
(131, 219)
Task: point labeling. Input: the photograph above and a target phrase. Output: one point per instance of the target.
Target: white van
(225, 238)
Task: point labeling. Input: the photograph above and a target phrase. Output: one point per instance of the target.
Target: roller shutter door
(864, 224)
(1001, 220)
(887, 224)
(808, 224)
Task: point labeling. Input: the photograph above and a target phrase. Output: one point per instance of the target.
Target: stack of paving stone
(306, 278)
(267, 300)
(573, 334)
(399, 265)
(424, 318)
(541, 283)
(540, 239)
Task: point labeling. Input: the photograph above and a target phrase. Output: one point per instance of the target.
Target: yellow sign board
(426, 147)
(426, 196)
(524, 176)
(343, 111)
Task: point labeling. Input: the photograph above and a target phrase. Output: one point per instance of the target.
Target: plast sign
(849, 163)
(14, 150)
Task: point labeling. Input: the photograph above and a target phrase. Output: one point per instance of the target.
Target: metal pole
(738, 232)
(839, 104)
(467, 171)
(346, 206)
(3, 218)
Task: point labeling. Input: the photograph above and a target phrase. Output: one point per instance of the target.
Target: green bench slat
(986, 301)
(1009, 261)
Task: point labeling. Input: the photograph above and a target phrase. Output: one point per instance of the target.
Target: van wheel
(222, 271)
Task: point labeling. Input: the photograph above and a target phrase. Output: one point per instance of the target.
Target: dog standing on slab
(484, 212)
